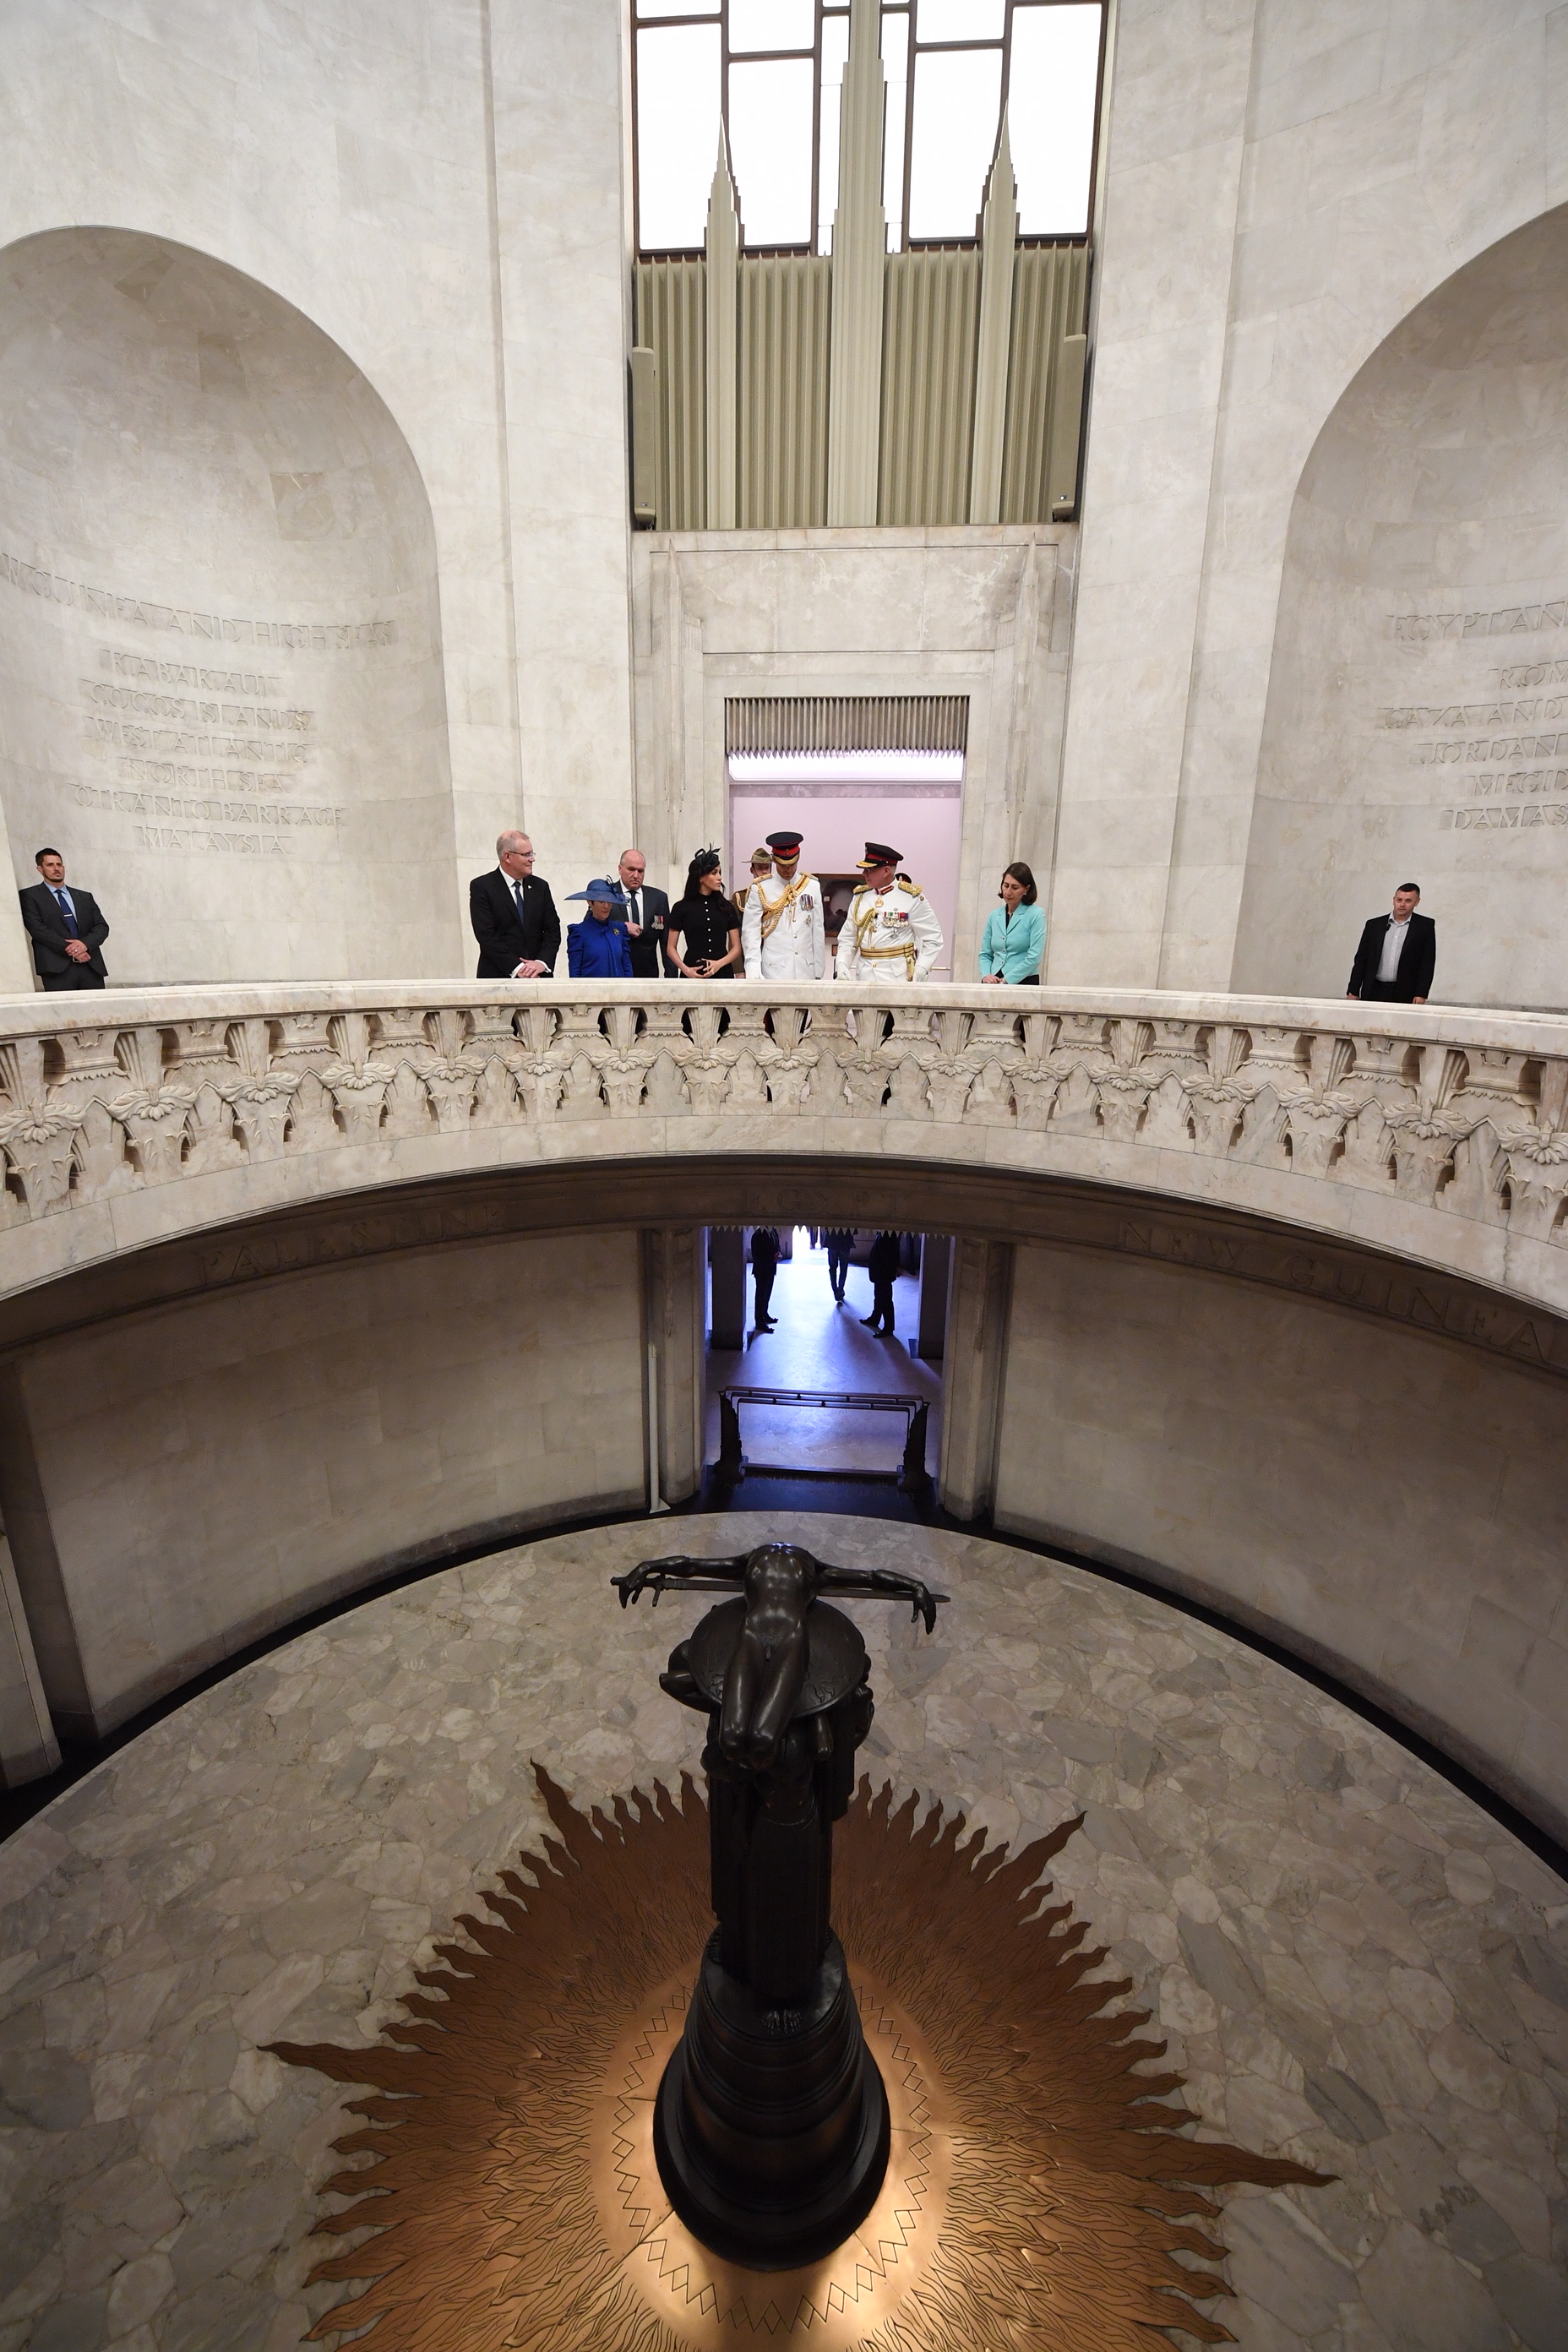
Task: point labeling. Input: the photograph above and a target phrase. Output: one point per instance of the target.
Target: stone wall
(443, 199)
(176, 1483)
(981, 612)
(1419, 693)
(1283, 184)
(1381, 1506)
(439, 192)
(222, 683)
(1361, 1460)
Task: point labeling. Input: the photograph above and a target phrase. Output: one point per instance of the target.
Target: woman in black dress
(702, 936)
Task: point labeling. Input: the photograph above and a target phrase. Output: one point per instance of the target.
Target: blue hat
(603, 890)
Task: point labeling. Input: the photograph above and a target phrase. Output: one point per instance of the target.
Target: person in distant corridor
(764, 1266)
(596, 947)
(883, 1267)
(1397, 955)
(838, 1241)
(65, 926)
(513, 916)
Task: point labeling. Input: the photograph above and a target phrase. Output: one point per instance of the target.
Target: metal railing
(732, 1466)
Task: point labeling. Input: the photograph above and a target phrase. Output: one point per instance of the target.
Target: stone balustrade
(1436, 1133)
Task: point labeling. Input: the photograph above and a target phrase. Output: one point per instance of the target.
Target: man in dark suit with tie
(1397, 955)
(648, 920)
(65, 926)
(514, 916)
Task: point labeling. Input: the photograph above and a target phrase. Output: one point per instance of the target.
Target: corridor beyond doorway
(819, 1345)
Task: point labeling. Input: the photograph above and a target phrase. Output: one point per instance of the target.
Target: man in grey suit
(65, 926)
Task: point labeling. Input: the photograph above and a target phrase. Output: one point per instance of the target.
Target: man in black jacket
(764, 1266)
(1397, 955)
(882, 1266)
(514, 916)
(65, 926)
(648, 920)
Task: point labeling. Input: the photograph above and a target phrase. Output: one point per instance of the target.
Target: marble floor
(1357, 1967)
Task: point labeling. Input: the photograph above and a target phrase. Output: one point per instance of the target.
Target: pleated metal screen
(847, 722)
(781, 441)
(930, 332)
(670, 299)
(930, 309)
(1050, 297)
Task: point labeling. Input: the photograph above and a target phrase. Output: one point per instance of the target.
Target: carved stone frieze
(1464, 1116)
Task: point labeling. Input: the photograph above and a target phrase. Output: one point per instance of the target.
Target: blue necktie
(65, 908)
(517, 894)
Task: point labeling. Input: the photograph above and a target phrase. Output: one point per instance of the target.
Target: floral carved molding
(1440, 1135)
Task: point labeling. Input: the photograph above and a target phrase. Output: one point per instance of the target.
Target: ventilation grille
(1051, 299)
(782, 375)
(671, 322)
(930, 319)
(847, 722)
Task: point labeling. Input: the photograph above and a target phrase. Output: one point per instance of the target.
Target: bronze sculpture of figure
(772, 2125)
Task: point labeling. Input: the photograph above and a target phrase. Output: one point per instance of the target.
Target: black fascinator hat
(707, 861)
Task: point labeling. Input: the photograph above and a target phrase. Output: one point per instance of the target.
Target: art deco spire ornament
(772, 2125)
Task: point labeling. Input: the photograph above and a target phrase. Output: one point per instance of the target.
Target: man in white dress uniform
(891, 931)
(781, 931)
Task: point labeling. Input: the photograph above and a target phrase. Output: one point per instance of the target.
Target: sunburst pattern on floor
(1041, 2186)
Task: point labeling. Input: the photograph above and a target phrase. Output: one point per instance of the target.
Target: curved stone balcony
(1264, 1301)
(1434, 1135)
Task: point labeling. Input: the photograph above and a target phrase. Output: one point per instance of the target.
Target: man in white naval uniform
(891, 931)
(781, 931)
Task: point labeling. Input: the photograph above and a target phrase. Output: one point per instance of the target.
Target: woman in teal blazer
(1013, 946)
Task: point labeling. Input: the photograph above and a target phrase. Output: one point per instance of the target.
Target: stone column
(563, 298)
(998, 243)
(859, 268)
(936, 1272)
(1173, 189)
(673, 1322)
(972, 1369)
(28, 1748)
(727, 1260)
(32, 1566)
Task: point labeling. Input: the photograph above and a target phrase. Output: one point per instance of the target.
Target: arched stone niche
(221, 692)
(1417, 718)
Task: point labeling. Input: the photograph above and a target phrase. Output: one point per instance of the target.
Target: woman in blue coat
(1013, 946)
(596, 948)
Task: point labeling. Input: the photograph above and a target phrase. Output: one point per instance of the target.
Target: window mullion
(815, 131)
(908, 133)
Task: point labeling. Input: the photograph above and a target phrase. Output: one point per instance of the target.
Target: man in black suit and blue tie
(65, 926)
(514, 916)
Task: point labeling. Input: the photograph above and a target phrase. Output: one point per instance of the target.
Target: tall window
(770, 71)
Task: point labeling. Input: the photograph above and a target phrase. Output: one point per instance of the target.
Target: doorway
(825, 1356)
